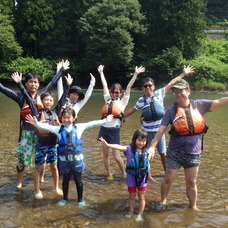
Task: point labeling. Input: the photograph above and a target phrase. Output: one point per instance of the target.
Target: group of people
(54, 134)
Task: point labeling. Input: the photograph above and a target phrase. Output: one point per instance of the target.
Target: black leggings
(78, 182)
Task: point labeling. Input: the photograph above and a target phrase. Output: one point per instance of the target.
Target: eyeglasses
(147, 85)
(116, 92)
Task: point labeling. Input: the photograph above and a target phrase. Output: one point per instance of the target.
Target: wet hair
(69, 110)
(139, 133)
(46, 94)
(32, 76)
(116, 86)
(147, 79)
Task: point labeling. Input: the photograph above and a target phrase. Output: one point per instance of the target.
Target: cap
(182, 84)
(78, 90)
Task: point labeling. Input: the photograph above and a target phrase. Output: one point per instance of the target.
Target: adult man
(152, 108)
(187, 126)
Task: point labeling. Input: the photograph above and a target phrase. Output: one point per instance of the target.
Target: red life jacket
(51, 119)
(112, 107)
(188, 121)
(26, 109)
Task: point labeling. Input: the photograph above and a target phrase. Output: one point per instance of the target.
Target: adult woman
(111, 131)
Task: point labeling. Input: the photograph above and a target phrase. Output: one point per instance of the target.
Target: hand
(100, 69)
(93, 79)
(59, 66)
(65, 64)
(31, 119)
(16, 77)
(109, 118)
(151, 152)
(69, 79)
(139, 70)
(187, 70)
(102, 141)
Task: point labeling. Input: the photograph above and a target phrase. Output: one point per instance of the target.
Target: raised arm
(103, 80)
(53, 82)
(89, 91)
(17, 77)
(138, 70)
(113, 146)
(62, 100)
(219, 103)
(187, 70)
(60, 81)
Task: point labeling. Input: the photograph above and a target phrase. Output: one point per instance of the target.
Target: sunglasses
(116, 92)
(148, 85)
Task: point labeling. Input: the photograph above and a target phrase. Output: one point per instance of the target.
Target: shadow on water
(108, 200)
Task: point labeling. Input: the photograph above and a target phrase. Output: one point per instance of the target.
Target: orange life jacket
(26, 109)
(112, 107)
(188, 121)
(51, 119)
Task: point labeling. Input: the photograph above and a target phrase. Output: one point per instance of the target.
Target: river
(107, 200)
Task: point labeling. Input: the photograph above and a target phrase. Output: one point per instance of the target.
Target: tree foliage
(108, 29)
(9, 47)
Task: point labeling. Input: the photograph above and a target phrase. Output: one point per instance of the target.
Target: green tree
(108, 29)
(175, 23)
(9, 47)
(33, 20)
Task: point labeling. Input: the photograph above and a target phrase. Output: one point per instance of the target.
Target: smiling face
(67, 119)
(48, 102)
(73, 97)
(182, 96)
(32, 85)
(140, 143)
(148, 88)
(116, 91)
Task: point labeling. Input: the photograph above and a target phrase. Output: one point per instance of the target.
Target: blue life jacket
(138, 166)
(70, 151)
(152, 111)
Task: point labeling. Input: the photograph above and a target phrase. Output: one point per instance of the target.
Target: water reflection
(108, 200)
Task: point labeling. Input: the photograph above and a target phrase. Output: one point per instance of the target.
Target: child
(136, 154)
(70, 149)
(46, 151)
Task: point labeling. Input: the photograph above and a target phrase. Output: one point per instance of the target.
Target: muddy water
(107, 200)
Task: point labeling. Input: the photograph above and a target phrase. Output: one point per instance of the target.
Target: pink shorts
(133, 189)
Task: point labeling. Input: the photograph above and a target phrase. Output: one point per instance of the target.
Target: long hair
(139, 133)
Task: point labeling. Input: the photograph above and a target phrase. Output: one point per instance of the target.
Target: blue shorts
(45, 154)
(176, 159)
(111, 135)
(161, 146)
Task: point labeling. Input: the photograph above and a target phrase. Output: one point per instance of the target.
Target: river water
(107, 200)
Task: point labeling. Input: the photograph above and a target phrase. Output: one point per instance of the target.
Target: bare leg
(106, 160)
(55, 175)
(142, 202)
(37, 171)
(42, 173)
(163, 156)
(20, 174)
(131, 201)
(119, 161)
(170, 176)
(191, 187)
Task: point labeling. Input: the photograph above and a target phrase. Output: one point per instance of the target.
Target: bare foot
(19, 186)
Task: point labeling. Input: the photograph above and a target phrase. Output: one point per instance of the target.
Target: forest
(162, 35)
